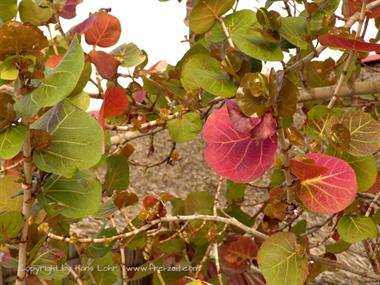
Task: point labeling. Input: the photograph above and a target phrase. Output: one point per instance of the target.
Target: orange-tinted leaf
(105, 63)
(115, 102)
(237, 253)
(340, 42)
(105, 30)
(305, 169)
(125, 199)
(18, 38)
(356, 6)
(54, 60)
(333, 190)
(277, 202)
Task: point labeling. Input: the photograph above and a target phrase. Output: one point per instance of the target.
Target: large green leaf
(76, 140)
(244, 30)
(353, 229)
(9, 186)
(105, 270)
(205, 12)
(365, 168)
(58, 84)
(11, 224)
(11, 141)
(364, 131)
(282, 260)
(8, 9)
(294, 30)
(117, 176)
(186, 128)
(201, 70)
(76, 197)
(32, 13)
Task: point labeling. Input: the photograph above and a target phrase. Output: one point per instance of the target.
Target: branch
(351, 21)
(209, 218)
(26, 210)
(351, 54)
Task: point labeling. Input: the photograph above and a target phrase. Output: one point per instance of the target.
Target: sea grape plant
(305, 133)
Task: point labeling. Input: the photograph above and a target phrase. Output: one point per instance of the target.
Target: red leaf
(304, 170)
(332, 191)
(82, 27)
(335, 41)
(237, 156)
(375, 187)
(69, 10)
(105, 63)
(237, 253)
(105, 30)
(356, 6)
(115, 102)
(54, 60)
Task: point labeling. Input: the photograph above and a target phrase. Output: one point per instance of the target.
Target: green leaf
(30, 12)
(58, 84)
(353, 229)
(81, 100)
(11, 224)
(282, 260)
(8, 70)
(364, 131)
(129, 55)
(338, 247)
(8, 9)
(205, 13)
(294, 30)
(11, 141)
(365, 168)
(117, 176)
(199, 202)
(76, 197)
(105, 210)
(76, 140)
(235, 192)
(186, 128)
(201, 70)
(244, 30)
(10, 186)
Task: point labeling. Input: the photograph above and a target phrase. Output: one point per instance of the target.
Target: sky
(158, 27)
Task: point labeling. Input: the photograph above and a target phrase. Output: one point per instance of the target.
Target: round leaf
(235, 155)
(365, 168)
(11, 141)
(105, 30)
(8, 9)
(185, 128)
(34, 14)
(117, 176)
(331, 191)
(75, 197)
(364, 131)
(129, 55)
(205, 12)
(201, 70)
(353, 229)
(11, 224)
(76, 140)
(282, 260)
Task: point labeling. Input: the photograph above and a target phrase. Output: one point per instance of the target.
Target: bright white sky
(158, 27)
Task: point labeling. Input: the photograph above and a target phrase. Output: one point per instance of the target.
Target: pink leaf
(82, 27)
(266, 128)
(240, 122)
(69, 10)
(335, 41)
(159, 67)
(333, 190)
(235, 155)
